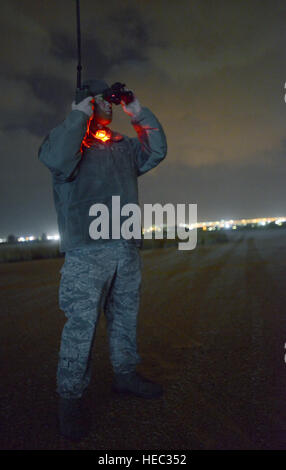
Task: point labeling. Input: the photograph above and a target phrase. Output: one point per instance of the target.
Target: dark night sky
(213, 72)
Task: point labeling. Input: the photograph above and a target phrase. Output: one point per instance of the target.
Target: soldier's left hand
(133, 108)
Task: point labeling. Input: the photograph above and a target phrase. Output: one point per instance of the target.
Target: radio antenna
(79, 67)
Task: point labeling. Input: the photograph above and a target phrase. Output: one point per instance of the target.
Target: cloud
(25, 189)
(222, 190)
(212, 72)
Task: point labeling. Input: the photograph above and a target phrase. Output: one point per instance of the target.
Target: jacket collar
(116, 136)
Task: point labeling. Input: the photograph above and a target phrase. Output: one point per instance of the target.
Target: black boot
(137, 385)
(73, 423)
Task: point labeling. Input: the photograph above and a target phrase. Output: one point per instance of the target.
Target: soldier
(90, 163)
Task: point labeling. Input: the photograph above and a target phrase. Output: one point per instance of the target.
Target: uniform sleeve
(150, 148)
(60, 150)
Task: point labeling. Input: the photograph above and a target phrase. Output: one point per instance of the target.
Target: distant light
(153, 228)
(279, 222)
(210, 226)
(53, 237)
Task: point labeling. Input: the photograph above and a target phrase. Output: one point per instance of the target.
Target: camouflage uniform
(98, 274)
(93, 278)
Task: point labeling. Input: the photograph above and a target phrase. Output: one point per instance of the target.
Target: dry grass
(12, 252)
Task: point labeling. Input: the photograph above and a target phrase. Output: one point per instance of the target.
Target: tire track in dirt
(201, 336)
(182, 353)
(191, 286)
(268, 378)
(214, 358)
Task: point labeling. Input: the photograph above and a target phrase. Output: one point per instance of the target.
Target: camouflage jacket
(81, 179)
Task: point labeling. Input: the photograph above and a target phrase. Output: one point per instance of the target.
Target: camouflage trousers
(104, 278)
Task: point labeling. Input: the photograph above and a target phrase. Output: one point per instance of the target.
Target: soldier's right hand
(85, 105)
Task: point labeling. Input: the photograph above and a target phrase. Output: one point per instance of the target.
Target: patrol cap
(96, 86)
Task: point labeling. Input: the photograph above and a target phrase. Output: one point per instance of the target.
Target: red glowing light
(101, 134)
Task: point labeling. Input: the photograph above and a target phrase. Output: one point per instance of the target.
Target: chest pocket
(123, 155)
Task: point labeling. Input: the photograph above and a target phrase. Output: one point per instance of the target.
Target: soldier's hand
(133, 108)
(86, 105)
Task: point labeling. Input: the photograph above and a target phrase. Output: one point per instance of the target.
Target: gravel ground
(211, 329)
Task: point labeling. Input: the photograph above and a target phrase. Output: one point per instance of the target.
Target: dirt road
(212, 330)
